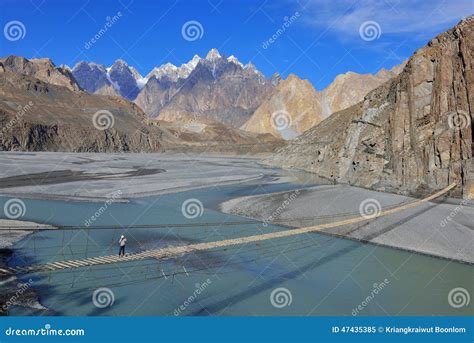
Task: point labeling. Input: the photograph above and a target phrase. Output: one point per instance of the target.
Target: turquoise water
(319, 274)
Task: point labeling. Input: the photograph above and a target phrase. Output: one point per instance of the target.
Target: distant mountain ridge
(217, 88)
(297, 106)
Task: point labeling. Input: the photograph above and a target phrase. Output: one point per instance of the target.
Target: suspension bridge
(186, 249)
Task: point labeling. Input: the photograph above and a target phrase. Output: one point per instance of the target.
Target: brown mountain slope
(293, 108)
(38, 116)
(350, 88)
(299, 106)
(409, 135)
(42, 69)
(197, 136)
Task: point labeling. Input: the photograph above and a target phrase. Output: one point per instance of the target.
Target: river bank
(443, 228)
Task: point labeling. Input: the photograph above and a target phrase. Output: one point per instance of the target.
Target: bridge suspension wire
(164, 275)
(186, 249)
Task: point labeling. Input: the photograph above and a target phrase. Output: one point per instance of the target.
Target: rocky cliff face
(413, 134)
(125, 79)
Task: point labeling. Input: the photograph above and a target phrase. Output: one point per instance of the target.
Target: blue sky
(321, 38)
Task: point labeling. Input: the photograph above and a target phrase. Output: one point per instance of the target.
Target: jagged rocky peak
(187, 68)
(214, 88)
(234, 60)
(213, 54)
(168, 70)
(119, 64)
(172, 72)
(91, 66)
(93, 78)
(41, 68)
(124, 79)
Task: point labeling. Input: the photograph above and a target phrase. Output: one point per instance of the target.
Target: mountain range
(43, 108)
(221, 89)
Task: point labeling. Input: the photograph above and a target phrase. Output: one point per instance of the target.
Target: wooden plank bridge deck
(186, 249)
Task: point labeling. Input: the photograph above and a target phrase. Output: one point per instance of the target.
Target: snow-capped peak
(167, 69)
(234, 60)
(213, 54)
(187, 68)
(193, 63)
(120, 62)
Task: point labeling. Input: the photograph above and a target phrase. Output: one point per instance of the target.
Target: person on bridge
(122, 242)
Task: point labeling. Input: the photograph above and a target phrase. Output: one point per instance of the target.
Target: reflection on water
(310, 274)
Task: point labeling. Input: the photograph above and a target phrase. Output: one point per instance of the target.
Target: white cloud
(419, 17)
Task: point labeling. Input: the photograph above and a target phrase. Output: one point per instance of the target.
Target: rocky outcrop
(42, 69)
(411, 135)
